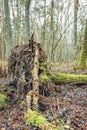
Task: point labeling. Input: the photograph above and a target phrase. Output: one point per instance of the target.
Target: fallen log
(62, 78)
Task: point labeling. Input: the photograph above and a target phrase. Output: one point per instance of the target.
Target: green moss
(83, 57)
(82, 62)
(66, 78)
(3, 100)
(44, 77)
(74, 68)
(34, 118)
(61, 78)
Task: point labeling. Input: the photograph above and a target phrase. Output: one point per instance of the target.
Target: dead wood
(23, 65)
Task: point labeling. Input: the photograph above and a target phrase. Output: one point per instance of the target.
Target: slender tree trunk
(44, 34)
(8, 28)
(52, 30)
(27, 20)
(13, 4)
(4, 35)
(0, 52)
(18, 21)
(75, 21)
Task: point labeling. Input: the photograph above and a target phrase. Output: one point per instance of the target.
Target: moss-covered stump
(36, 119)
(3, 100)
(62, 78)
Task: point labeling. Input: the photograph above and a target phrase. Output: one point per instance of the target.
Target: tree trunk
(18, 24)
(27, 20)
(8, 28)
(83, 58)
(44, 34)
(75, 21)
(52, 30)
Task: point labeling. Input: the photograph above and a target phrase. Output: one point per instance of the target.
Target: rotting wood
(22, 62)
(35, 77)
(33, 98)
(42, 99)
(31, 93)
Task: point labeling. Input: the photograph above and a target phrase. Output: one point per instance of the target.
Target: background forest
(43, 64)
(57, 24)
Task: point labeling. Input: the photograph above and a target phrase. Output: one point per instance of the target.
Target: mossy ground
(3, 100)
(34, 118)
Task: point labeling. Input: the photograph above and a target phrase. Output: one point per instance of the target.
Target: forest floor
(71, 109)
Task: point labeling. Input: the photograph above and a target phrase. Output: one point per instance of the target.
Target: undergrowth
(3, 100)
(34, 118)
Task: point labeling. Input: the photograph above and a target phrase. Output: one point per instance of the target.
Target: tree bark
(75, 21)
(44, 26)
(83, 58)
(8, 28)
(35, 78)
(27, 20)
(52, 30)
(32, 99)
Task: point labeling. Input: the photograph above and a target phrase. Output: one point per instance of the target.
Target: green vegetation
(3, 100)
(61, 78)
(44, 77)
(67, 78)
(34, 118)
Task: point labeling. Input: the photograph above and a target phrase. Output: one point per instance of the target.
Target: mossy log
(62, 78)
